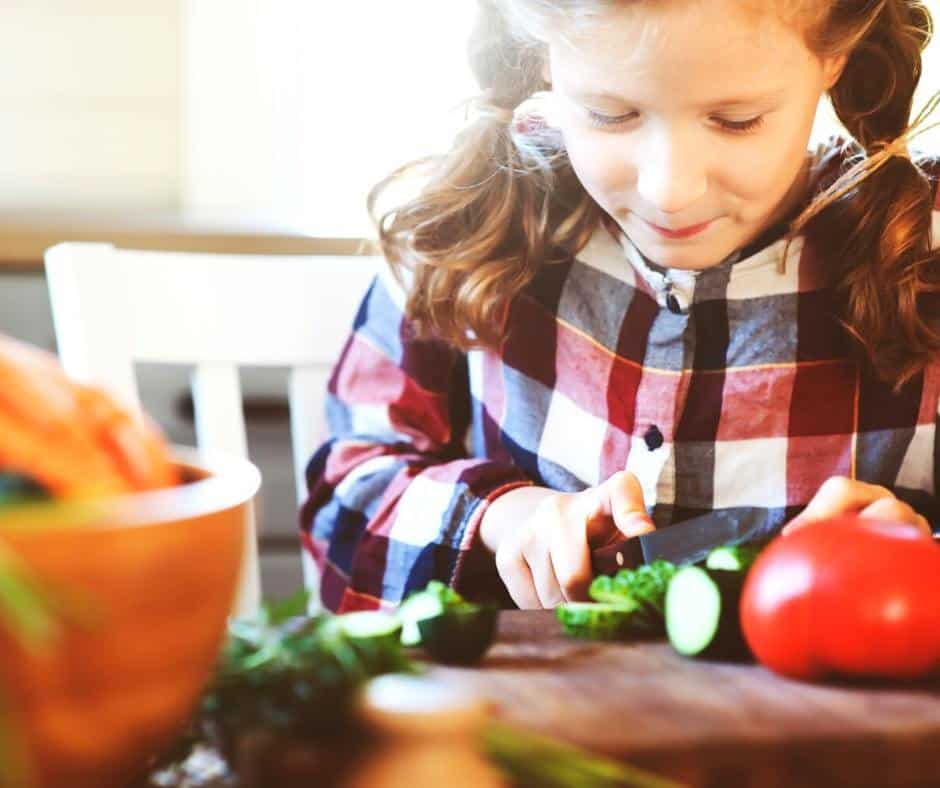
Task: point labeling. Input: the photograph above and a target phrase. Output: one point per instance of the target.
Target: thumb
(627, 508)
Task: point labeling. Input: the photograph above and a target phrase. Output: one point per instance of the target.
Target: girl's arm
(393, 499)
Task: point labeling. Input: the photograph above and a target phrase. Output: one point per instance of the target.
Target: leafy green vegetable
(26, 611)
(293, 678)
(643, 589)
(28, 614)
(280, 671)
(534, 761)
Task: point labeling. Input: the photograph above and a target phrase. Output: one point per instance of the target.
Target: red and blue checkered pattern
(742, 397)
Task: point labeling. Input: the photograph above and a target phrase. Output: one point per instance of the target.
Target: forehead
(700, 49)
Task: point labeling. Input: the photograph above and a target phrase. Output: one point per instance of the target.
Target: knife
(685, 542)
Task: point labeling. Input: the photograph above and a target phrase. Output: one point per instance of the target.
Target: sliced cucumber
(599, 620)
(369, 625)
(415, 608)
(702, 618)
(642, 588)
(735, 558)
(460, 635)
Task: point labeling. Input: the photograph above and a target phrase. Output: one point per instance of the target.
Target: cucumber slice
(599, 620)
(735, 558)
(460, 635)
(702, 618)
(415, 608)
(369, 626)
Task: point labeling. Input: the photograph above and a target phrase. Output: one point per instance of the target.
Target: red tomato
(849, 596)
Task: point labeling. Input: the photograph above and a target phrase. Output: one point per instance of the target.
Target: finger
(571, 559)
(626, 504)
(516, 575)
(539, 561)
(893, 510)
(838, 495)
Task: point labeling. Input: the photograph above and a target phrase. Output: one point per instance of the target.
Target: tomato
(849, 596)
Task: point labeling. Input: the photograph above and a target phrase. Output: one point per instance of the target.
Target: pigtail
(502, 202)
(874, 221)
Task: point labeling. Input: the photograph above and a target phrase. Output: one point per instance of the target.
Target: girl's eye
(597, 119)
(741, 126)
(735, 126)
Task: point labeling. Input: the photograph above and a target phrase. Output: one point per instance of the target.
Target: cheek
(759, 180)
(603, 168)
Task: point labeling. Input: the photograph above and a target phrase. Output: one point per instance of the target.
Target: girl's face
(686, 114)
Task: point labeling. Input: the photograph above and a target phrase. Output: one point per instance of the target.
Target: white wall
(278, 113)
(91, 104)
(302, 106)
(242, 99)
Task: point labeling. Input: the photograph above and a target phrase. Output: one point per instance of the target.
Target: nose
(671, 173)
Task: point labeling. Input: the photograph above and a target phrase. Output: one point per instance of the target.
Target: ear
(832, 70)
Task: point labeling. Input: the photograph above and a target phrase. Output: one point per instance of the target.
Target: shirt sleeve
(393, 499)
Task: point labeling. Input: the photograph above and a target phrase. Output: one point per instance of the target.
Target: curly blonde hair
(505, 201)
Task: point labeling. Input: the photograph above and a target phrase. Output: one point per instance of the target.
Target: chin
(667, 256)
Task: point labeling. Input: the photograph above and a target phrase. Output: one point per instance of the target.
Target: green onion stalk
(27, 613)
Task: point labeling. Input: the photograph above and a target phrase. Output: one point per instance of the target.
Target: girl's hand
(544, 557)
(840, 495)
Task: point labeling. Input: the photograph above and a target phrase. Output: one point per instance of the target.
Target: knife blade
(686, 542)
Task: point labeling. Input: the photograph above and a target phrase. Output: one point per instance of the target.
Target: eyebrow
(722, 103)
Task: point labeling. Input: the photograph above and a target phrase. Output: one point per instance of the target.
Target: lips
(684, 232)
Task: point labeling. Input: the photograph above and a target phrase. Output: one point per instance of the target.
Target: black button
(654, 438)
(673, 304)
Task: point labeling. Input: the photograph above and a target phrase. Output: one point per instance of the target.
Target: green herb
(26, 611)
(293, 678)
(643, 587)
(535, 761)
(286, 672)
(27, 614)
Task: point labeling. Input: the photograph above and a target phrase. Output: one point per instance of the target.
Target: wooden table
(25, 236)
(705, 723)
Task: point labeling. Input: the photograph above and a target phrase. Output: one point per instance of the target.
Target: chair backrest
(114, 307)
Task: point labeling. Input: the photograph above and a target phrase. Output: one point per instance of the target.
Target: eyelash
(733, 126)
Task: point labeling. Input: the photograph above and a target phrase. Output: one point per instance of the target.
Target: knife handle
(625, 554)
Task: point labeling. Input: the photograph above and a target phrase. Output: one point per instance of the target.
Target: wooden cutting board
(706, 723)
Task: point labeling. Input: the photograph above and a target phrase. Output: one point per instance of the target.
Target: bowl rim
(227, 481)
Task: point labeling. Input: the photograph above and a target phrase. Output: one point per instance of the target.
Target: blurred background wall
(273, 114)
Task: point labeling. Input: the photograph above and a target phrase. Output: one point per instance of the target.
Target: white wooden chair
(114, 307)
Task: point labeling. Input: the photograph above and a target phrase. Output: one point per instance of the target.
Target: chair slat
(220, 423)
(85, 284)
(306, 388)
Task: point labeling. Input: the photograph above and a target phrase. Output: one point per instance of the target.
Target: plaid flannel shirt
(728, 388)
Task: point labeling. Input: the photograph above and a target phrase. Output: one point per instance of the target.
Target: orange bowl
(148, 581)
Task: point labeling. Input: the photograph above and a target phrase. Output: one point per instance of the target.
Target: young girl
(630, 295)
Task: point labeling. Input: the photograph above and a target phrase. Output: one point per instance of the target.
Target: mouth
(683, 232)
